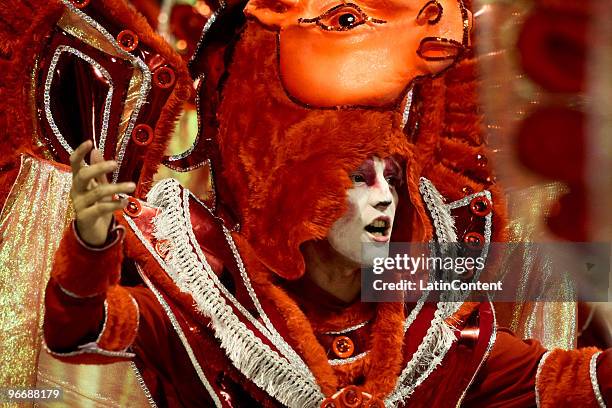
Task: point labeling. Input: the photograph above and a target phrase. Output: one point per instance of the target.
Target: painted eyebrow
(392, 167)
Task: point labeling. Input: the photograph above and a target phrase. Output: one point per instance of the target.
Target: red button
(474, 240)
(142, 135)
(80, 3)
(128, 41)
(480, 206)
(343, 347)
(351, 397)
(133, 208)
(164, 77)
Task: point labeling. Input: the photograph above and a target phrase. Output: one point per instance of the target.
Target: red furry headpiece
(285, 167)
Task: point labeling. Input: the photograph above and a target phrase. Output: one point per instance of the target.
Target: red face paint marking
(366, 173)
(393, 171)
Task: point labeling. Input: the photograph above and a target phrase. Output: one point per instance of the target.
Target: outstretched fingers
(77, 158)
(102, 193)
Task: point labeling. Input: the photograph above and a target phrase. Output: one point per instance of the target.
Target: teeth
(379, 224)
(377, 234)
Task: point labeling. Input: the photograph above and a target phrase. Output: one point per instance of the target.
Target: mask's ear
(273, 13)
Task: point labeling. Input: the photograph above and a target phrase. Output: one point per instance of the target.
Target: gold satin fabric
(552, 323)
(31, 225)
(508, 96)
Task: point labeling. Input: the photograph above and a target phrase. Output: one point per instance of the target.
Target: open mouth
(379, 229)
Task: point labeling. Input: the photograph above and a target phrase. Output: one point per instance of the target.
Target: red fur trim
(385, 359)
(450, 138)
(72, 259)
(24, 27)
(302, 337)
(383, 364)
(565, 380)
(148, 9)
(284, 141)
(121, 321)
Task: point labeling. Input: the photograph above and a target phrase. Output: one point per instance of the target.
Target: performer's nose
(383, 205)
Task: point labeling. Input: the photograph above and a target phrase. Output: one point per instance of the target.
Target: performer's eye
(357, 178)
(393, 181)
(341, 18)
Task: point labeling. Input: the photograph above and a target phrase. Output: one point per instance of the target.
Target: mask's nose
(445, 25)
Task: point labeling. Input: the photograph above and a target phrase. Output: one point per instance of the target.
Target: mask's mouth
(379, 230)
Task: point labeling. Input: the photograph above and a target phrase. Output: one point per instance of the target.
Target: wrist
(114, 234)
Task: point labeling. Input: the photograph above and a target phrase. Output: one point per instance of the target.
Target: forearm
(87, 312)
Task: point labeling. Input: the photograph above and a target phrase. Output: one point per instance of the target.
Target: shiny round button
(343, 347)
(80, 3)
(128, 40)
(474, 240)
(133, 208)
(142, 135)
(480, 206)
(351, 397)
(163, 77)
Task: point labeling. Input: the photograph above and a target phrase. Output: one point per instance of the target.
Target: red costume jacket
(207, 327)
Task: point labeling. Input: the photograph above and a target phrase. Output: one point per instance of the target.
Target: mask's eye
(341, 18)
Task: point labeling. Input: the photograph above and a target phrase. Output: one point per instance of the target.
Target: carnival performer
(326, 125)
(340, 352)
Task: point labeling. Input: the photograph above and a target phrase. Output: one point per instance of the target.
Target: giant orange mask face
(361, 52)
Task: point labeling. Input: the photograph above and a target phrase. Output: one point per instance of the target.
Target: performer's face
(371, 209)
(362, 52)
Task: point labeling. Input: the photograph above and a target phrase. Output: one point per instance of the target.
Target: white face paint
(372, 202)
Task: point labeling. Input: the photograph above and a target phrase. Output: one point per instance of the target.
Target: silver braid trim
(594, 382)
(261, 364)
(47, 95)
(137, 63)
(538, 372)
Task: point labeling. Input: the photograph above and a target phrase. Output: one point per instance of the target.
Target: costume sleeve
(89, 317)
(521, 373)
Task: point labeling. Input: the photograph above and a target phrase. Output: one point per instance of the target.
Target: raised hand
(92, 194)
